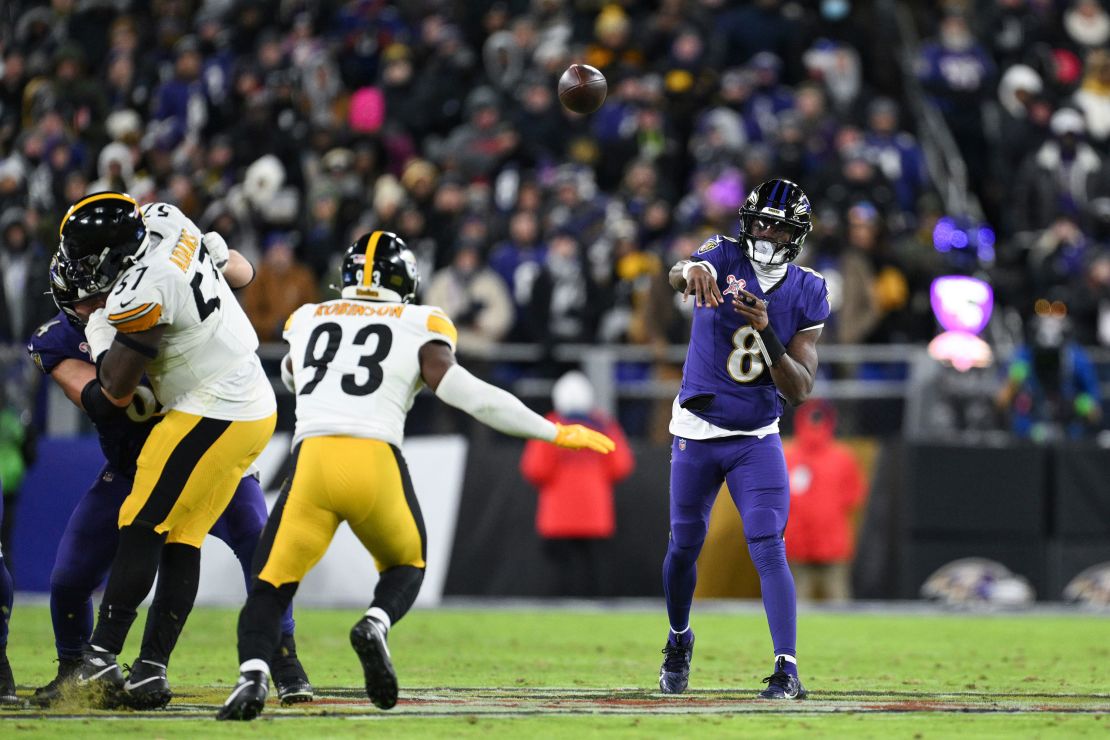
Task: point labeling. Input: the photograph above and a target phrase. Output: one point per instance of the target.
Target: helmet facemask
(774, 222)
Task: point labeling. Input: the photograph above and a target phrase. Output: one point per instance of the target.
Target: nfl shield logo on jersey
(682, 445)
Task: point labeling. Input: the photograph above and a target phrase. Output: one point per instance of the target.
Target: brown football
(582, 88)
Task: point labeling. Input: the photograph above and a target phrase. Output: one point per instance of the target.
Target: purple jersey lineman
(725, 380)
(89, 541)
(121, 439)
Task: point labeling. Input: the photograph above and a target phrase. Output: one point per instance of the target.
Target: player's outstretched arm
(237, 270)
(497, 408)
(698, 278)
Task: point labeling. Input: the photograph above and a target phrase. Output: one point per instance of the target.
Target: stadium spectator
(23, 263)
(957, 72)
(575, 512)
(474, 296)
(1051, 390)
(1093, 97)
(1056, 179)
(827, 487)
(895, 153)
(874, 289)
(565, 305)
(281, 286)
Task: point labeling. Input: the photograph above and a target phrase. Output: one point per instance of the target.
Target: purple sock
(779, 601)
(680, 575)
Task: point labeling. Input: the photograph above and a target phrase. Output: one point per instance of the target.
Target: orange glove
(577, 437)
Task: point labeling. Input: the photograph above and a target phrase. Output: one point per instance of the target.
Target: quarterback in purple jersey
(757, 319)
(88, 545)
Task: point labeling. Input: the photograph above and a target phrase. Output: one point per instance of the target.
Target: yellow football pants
(188, 471)
(361, 481)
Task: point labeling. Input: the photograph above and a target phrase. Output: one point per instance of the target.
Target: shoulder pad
(710, 244)
(811, 271)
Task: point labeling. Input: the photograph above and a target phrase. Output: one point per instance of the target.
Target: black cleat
(782, 685)
(8, 696)
(368, 640)
(674, 674)
(290, 680)
(46, 695)
(248, 698)
(100, 677)
(146, 686)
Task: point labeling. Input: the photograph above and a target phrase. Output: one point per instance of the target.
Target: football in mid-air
(582, 88)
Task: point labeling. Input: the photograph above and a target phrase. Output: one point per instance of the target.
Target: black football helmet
(101, 236)
(774, 221)
(65, 294)
(379, 266)
(62, 291)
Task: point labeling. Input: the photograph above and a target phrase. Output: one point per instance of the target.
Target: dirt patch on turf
(524, 702)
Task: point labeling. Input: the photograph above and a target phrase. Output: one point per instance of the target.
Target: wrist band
(769, 345)
(699, 263)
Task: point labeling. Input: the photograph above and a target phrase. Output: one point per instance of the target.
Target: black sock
(260, 620)
(178, 577)
(133, 571)
(397, 589)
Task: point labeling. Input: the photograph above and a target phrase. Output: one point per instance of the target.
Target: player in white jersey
(170, 315)
(356, 364)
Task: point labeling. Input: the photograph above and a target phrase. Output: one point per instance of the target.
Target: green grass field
(556, 673)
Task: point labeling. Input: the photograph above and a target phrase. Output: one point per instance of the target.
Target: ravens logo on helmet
(379, 266)
(65, 295)
(774, 221)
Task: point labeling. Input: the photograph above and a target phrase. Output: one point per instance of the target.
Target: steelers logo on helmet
(774, 222)
(379, 266)
(101, 235)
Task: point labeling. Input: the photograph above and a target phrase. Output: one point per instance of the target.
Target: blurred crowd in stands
(290, 126)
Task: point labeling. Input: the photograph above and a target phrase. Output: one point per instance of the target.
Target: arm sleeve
(492, 406)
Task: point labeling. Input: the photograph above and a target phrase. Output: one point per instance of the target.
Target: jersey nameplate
(358, 309)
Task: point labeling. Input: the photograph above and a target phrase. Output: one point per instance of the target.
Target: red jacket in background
(826, 487)
(576, 486)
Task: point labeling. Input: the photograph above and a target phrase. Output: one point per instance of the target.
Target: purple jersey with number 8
(725, 380)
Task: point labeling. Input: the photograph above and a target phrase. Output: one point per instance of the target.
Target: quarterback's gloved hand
(143, 404)
(577, 437)
(99, 333)
(217, 248)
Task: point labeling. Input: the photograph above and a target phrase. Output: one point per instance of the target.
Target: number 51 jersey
(356, 365)
(206, 363)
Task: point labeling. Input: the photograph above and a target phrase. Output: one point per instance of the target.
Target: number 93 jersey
(206, 363)
(356, 365)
